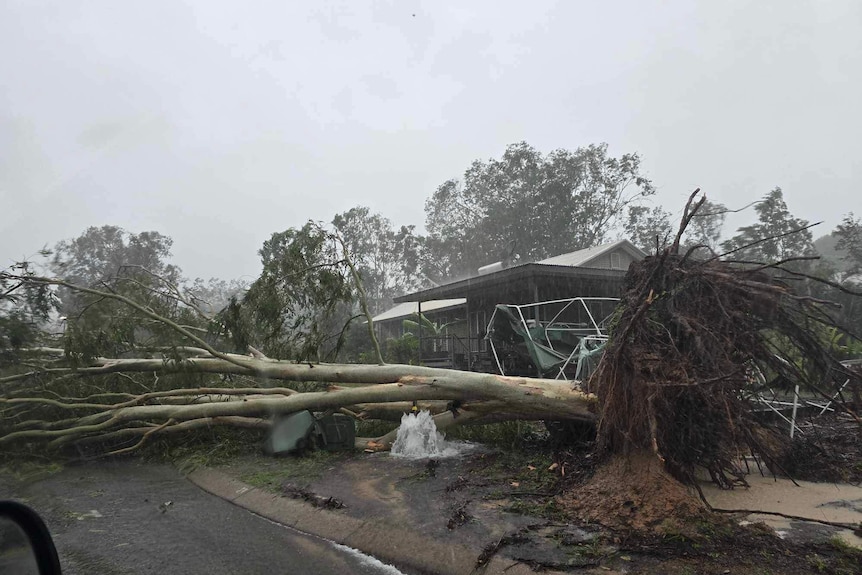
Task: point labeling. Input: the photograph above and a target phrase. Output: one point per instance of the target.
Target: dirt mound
(634, 493)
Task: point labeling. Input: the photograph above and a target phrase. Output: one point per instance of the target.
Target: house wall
(621, 258)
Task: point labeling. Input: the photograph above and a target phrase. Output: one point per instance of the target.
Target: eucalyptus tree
(651, 230)
(778, 235)
(849, 234)
(307, 297)
(386, 257)
(531, 204)
(134, 265)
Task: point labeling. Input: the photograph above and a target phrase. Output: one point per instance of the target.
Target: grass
(546, 507)
(527, 485)
(847, 559)
(817, 563)
(30, 470)
(529, 469)
(374, 428)
(271, 473)
(514, 435)
(206, 448)
(841, 545)
(591, 553)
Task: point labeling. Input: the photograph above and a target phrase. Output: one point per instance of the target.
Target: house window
(615, 261)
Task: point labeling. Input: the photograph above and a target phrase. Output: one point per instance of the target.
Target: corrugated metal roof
(409, 308)
(575, 263)
(580, 257)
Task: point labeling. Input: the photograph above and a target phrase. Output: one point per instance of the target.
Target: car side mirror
(26, 546)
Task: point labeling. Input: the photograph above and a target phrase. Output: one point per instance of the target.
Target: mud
(485, 500)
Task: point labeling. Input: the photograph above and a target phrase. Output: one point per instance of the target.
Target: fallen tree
(481, 397)
(188, 385)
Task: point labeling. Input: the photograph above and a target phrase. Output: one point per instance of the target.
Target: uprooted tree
(670, 396)
(696, 330)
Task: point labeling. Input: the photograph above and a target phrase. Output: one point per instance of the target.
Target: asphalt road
(128, 518)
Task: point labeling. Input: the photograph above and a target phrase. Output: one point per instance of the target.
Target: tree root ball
(634, 493)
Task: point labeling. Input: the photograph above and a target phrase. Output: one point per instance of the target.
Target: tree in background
(849, 243)
(214, 294)
(770, 239)
(387, 259)
(132, 265)
(849, 234)
(305, 299)
(303, 288)
(535, 205)
(648, 228)
(706, 226)
(102, 254)
(780, 236)
(25, 313)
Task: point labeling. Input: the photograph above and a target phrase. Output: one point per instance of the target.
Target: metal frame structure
(778, 404)
(594, 331)
(775, 405)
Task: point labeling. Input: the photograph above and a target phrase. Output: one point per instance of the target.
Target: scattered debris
(297, 492)
(829, 449)
(91, 514)
(459, 483)
(459, 517)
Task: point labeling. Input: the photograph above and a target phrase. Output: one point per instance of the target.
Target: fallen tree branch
(37, 280)
(143, 439)
(851, 526)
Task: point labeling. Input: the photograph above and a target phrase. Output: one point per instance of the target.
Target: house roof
(409, 308)
(581, 258)
(572, 264)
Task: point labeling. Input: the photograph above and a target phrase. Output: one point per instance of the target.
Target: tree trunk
(375, 391)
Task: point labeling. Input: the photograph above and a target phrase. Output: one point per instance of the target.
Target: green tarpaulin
(532, 343)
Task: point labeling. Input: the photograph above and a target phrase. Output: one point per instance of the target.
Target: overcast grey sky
(218, 123)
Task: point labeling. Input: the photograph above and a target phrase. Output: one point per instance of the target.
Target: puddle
(833, 502)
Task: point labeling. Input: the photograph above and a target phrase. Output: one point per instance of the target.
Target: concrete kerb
(389, 543)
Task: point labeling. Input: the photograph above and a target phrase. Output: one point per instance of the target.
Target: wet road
(128, 518)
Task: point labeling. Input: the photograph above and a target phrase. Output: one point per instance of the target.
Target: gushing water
(418, 438)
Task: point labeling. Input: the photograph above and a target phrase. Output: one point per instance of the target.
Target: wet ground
(820, 502)
(115, 517)
(504, 503)
(129, 518)
(487, 499)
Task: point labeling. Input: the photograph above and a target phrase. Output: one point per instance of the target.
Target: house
(440, 312)
(591, 272)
